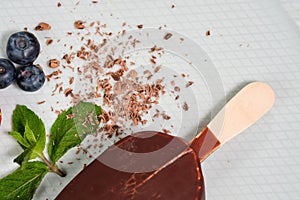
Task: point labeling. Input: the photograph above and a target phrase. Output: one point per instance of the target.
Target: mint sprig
(68, 130)
(71, 127)
(29, 131)
(22, 183)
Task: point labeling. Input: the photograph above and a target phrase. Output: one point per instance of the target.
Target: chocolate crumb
(173, 6)
(168, 36)
(157, 69)
(68, 92)
(185, 107)
(25, 28)
(70, 163)
(177, 89)
(71, 80)
(49, 41)
(58, 4)
(188, 84)
(140, 26)
(79, 24)
(42, 27)
(166, 131)
(165, 116)
(207, 33)
(54, 63)
(41, 102)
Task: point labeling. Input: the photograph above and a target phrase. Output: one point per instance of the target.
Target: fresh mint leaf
(86, 117)
(29, 131)
(28, 135)
(23, 157)
(24, 117)
(71, 127)
(22, 183)
(22, 141)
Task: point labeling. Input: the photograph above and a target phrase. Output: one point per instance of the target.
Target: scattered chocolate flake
(68, 91)
(207, 33)
(140, 26)
(70, 163)
(177, 97)
(79, 24)
(165, 116)
(185, 107)
(152, 61)
(58, 4)
(42, 27)
(71, 80)
(168, 36)
(173, 6)
(183, 75)
(54, 63)
(94, 1)
(166, 131)
(189, 83)
(25, 28)
(41, 102)
(49, 41)
(70, 116)
(157, 69)
(177, 89)
(155, 48)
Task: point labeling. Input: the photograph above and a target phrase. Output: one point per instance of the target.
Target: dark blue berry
(23, 48)
(30, 78)
(7, 73)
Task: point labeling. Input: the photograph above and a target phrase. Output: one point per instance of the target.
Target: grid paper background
(251, 40)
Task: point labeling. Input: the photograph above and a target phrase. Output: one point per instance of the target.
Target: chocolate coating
(177, 172)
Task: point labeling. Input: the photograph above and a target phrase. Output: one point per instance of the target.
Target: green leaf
(22, 183)
(71, 127)
(23, 157)
(22, 141)
(28, 135)
(22, 116)
(29, 131)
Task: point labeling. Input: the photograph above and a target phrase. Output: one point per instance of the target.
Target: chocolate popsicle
(176, 170)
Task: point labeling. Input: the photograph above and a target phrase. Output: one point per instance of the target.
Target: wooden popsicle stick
(244, 109)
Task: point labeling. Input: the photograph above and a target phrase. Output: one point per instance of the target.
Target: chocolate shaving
(189, 84)
(185, 107)
(49, 41)
(42, 27)
(79, 24)
(54, 63)
(207, 33)
(168, 36)
(41, 102)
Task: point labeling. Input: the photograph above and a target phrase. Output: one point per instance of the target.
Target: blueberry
(30, 78)
(7, 73)
(23, 48)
